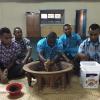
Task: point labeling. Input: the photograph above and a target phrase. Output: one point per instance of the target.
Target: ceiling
(49, 1)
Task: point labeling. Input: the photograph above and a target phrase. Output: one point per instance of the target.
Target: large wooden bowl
(31, 69)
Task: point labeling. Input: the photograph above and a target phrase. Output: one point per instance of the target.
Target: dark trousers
(14, 72)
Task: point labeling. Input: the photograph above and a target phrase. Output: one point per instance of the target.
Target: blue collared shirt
(49, 53)
(71, 43)
(91, 49)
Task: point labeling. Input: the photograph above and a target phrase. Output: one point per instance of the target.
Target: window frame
(52, 20)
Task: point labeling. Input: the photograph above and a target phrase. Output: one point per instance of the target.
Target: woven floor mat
(73, 92)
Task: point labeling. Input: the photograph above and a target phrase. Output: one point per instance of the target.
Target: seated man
(26, 48)
(71, 42)
(50, 48)
(89, 49)
(9, 51)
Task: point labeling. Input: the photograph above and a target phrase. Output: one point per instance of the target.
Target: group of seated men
(15, 52)
(70, 46)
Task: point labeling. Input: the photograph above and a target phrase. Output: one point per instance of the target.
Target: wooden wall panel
(45, 29)
(33, 25)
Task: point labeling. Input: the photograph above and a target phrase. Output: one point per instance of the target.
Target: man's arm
(28, 54)
(41, 57)
(40, 50)
(81, 48)
(11, 64)
(29, 50)
(81, 52)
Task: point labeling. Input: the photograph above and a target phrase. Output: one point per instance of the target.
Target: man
(26, 48)
(50, 51)
(50, 48)
(89, 49)
(71, 42)
(9, 51)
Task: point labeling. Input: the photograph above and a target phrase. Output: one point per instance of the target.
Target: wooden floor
(73, 92)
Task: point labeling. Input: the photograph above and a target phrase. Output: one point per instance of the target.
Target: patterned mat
(73, 92)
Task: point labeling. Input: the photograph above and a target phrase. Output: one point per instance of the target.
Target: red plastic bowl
(14, 89)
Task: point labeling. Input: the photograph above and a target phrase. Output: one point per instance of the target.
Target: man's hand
(23, 62)
(83, 57)
(47, 64)
(65, 58)
(4, 78)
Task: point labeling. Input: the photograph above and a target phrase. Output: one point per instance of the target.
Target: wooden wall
(45, 29)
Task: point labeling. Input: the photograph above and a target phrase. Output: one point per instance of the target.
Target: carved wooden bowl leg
(29, 78)
(63, 81)
(40, 82)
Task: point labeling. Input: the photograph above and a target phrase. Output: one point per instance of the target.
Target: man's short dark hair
(52, 35)
(94, 27)
(17, 28)
(68, 25)
(4, 30)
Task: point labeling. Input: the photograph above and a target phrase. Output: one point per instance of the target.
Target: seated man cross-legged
(25, 45)
(9, 51)
(71, 42)
(89, 49)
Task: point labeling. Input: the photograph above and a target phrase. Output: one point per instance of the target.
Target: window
(43, 16)
(57, 16)
(52, 16)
